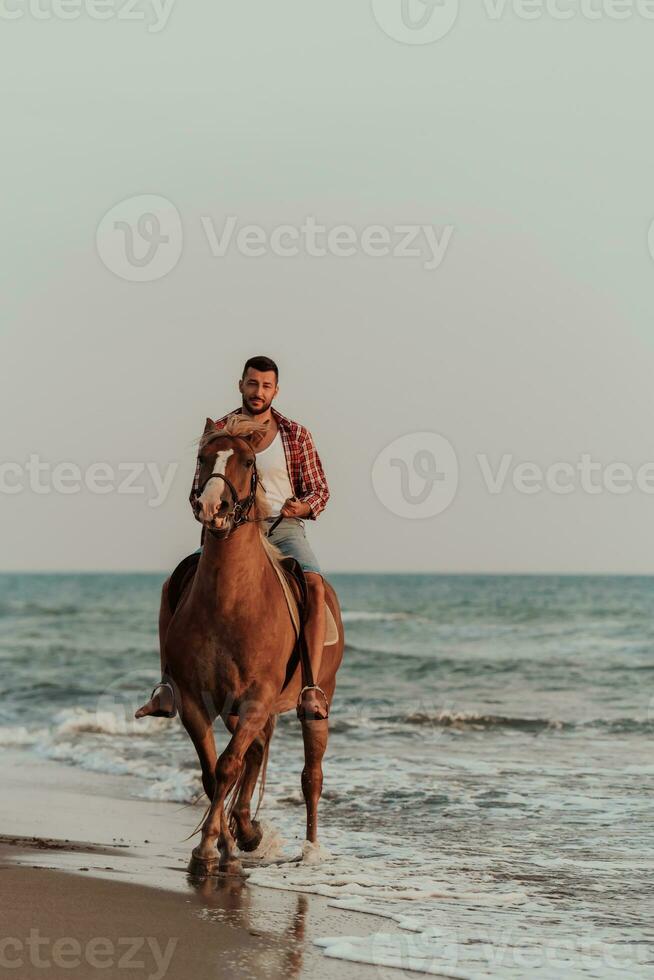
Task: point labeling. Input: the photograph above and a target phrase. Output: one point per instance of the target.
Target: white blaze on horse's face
(210, 498)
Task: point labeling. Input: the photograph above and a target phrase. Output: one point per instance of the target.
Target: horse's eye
(249, 463)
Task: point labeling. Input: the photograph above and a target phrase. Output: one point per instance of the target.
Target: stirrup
(300, 710)
(161, 713)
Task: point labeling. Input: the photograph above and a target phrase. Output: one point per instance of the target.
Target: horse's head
(228, 485)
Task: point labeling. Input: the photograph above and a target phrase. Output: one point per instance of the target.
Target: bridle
(241, 506)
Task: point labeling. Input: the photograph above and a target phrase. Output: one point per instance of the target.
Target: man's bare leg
(313, 701)
(163, 699)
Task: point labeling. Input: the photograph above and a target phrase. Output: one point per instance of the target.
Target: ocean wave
(73, 721)
(363, 616)
(29, 608)
(162, 782)
(18, 735)
(338, 877)
(387, 651)
(471, 720)
(177, 787)
(622, 726)
(474, 721)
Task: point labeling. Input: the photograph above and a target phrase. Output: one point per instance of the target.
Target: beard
(256, 409)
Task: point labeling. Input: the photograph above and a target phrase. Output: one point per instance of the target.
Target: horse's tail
(232, 797)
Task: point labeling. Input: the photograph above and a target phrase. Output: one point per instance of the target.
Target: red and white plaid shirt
(302, 462)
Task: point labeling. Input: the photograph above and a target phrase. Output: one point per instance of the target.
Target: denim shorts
(291, 539)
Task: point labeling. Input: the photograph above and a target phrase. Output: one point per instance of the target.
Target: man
(292, 476)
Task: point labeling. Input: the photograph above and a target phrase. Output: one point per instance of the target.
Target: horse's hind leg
(199, 727)
(314, 734)
(248, 831)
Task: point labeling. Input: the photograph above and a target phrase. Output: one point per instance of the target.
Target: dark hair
(261, 363)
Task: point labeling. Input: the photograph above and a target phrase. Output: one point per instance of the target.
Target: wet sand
(94, 883)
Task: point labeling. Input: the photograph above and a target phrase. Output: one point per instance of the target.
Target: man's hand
(295, 508)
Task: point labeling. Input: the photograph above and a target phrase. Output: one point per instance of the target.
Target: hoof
(230, 866)
(203, 866)
(251, 843)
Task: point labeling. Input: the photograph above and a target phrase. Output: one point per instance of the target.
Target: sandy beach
(94, 883)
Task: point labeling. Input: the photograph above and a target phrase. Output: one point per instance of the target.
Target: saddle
(180, 578)
(294, 586)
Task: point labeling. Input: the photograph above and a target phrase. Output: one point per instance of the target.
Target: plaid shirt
(302, 462)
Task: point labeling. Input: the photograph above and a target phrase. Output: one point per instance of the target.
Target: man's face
(258, 389)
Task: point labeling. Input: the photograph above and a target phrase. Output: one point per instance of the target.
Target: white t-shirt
(273, 473)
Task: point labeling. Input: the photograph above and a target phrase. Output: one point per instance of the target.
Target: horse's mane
(272, 549)
(236, 425)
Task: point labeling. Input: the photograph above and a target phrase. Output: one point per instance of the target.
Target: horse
(228, 643)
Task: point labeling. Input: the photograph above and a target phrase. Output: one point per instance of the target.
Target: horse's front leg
(248, 831)
(215, 830)
(198, 724)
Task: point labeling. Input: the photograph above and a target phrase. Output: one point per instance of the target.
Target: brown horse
(227, 646)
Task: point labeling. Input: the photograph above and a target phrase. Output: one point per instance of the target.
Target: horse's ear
(256, 437)
(209, 425)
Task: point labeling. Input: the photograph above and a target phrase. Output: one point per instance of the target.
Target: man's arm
(315, 492)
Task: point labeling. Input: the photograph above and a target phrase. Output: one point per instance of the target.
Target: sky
(435, 218)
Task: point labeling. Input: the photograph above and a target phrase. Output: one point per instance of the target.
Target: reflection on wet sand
(229, 898)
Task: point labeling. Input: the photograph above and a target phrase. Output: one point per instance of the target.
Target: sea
(489, 779)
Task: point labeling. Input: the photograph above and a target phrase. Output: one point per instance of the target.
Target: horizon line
(328, 572)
